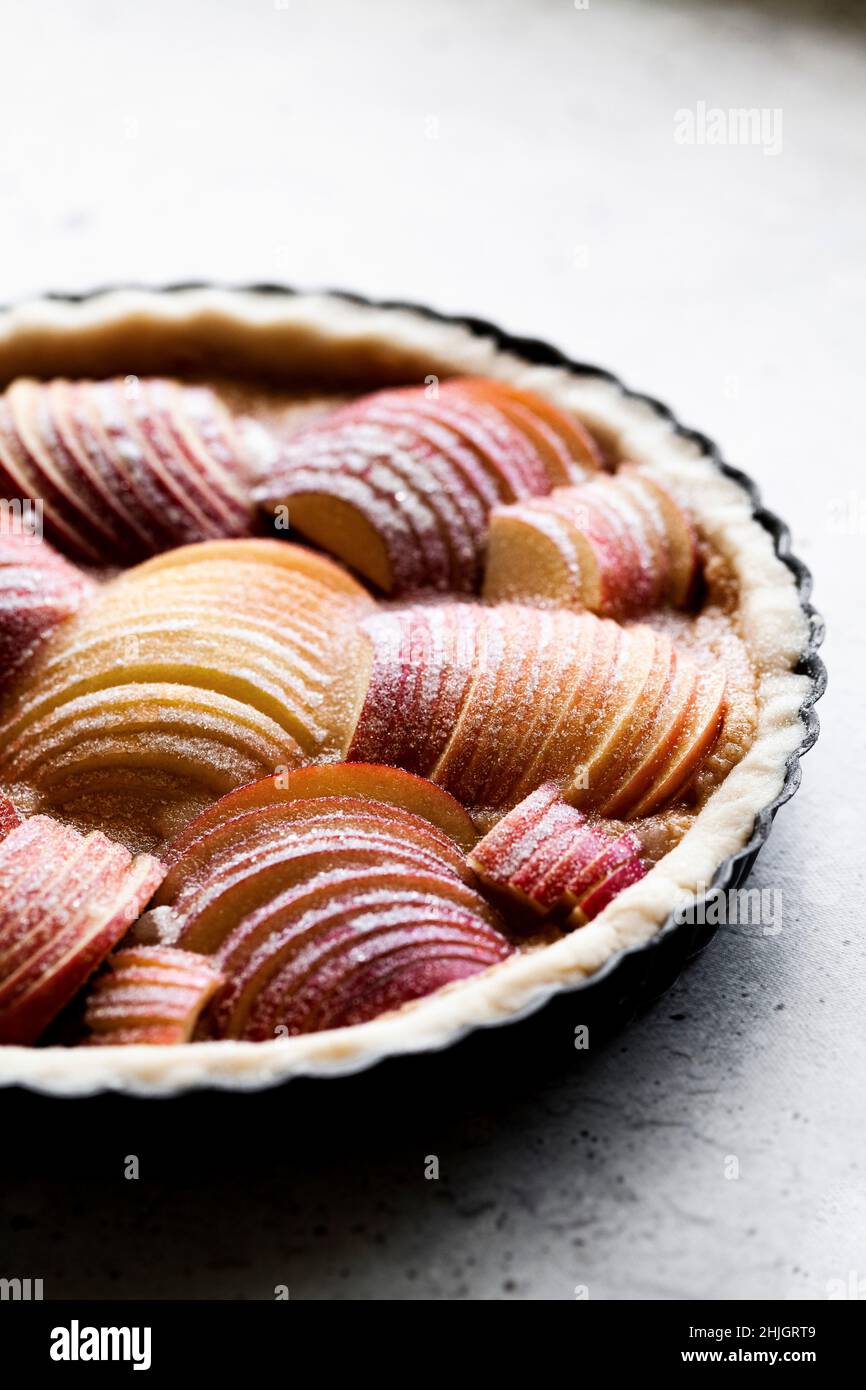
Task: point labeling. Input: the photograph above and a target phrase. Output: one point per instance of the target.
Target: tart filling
(515, 677)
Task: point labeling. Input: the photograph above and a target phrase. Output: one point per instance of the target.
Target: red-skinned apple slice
(423, 660)
(516, 696)
(334, 507)
(242, 874)
(20, 479)
(548, 859)
(365, 481)
(254, 950)
(547, 443)
(581, 449)
(67, 406)
(124, 468)
(477, 488)
(353, 975)
(27, 402)
(461, 519)
(679, 529)
(80, 425)
(506, 453)
(563, 748)
(617, 546)
(146, 411)
(151, 995)
(649, 674)
(459, 693)
(361, 781)
(161, 497)
(588, 863)
(385, 490)
(38, 591)
(596, 899)
(39, 428)
(197, 427)
(330, 905)
(380, 499)
(65, 901)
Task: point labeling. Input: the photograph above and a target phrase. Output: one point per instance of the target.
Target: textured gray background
(515, 160)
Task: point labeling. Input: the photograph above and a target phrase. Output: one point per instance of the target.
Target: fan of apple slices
(401, 484)
(125, 468)
(326, 806)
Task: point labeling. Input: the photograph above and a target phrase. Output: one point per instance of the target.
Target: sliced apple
(423, 660)
(89, 467)
(366, 781)
(125, 468)
(65, 901)
(187, 676)
(546, 859)
(398, 484)
(453, 481)
(151, 995)
(644, 682)
(145, 757)
(588, 697)
(509, 457)
(354, 970)
(576, 450)
(701, 730)
(490, 702)
(659, 737)
(617, 546)
(287, 847)
(329, 908)
(39, 590)
(679, 530)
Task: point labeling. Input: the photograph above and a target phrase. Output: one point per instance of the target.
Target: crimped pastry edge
(270, 333)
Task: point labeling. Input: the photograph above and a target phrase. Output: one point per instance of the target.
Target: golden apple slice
(563, 749)
(194, 672)
(536, 552)
(661, 735)
(697, 738)
(642, 686)
(153, 755)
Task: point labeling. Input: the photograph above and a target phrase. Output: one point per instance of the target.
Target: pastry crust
(321, 340)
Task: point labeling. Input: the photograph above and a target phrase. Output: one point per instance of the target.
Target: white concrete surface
(518, 161)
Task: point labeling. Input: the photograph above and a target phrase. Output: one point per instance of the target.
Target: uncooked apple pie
(357, 672)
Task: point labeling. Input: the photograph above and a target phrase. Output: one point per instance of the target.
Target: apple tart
(366, 680)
